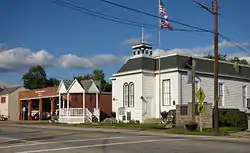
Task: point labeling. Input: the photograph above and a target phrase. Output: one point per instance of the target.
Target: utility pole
(216, 67)
(193, 89)
(215, 13)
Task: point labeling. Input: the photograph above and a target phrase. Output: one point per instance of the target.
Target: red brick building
(68, 96)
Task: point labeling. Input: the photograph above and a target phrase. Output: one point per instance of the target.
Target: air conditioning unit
(248, 103)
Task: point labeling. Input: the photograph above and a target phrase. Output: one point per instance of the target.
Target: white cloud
(132, 41)
(200, 51)
(21, 59)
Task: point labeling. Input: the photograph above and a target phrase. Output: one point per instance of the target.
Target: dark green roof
(179, 61)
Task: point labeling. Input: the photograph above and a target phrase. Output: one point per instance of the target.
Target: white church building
(135, 86)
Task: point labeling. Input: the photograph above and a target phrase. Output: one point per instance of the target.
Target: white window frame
(244, 95)
(131, 90)
(125, 94)
(166, 95)
(221, 93)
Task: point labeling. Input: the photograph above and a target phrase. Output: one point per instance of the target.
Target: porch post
(83, 106)
(52, 106)
(63, 101)
(60, 101)
(19, 109)
(40, 109)
(67, 104)
(96, 100)
(29, 110)
(83, 100)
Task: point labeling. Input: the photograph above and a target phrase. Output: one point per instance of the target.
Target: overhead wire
(133, 23)
(234, 43)
(113, 18)
(155, 16)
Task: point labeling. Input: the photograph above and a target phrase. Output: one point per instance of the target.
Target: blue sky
(47, 32)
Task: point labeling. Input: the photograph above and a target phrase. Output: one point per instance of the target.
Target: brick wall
(184, 115)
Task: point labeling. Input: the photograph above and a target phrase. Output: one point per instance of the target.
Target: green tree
(222, 57)
(52, 82)
(35, 78)
(97, 74)
(241, 61)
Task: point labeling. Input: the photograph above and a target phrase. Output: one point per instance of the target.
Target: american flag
(164, 22)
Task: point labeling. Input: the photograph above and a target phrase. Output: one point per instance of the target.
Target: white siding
(233, 95)
(76, 88)
(62, 88)
(4, 106)
(206, 83)
(149, 103)
(13, 103)
(174, 83)
(117, 94)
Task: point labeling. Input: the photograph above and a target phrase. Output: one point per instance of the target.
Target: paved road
(46, 139)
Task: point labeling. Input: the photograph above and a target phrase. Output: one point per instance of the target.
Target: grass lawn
(143, 127)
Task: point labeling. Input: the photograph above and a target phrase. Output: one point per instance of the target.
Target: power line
(155, 16)
(86, 11)
(234, 43)
(113, 18)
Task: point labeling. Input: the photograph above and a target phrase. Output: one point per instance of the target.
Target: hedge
(233, 118)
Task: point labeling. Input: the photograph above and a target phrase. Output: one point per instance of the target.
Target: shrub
(164, 115)
(232, 117)
(191, 126)
(113, 114)
(173, 112)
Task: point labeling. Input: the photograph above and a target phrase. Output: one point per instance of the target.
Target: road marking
(56, 142)
(92, 146)
(14, 139)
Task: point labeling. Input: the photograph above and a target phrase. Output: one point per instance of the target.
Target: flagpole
(159, 66)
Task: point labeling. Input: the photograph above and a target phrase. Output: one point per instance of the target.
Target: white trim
(143, 71)
(71, 85)
(173, 70)
(60, 85)
(220, 75)
(39, 97)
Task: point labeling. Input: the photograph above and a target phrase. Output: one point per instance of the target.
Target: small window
(138, 52)
(3, 99)
(166, 92)
(221, 94)
(128, 116)
(184, 110)
(146, 51)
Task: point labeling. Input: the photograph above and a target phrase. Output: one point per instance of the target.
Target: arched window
(125, 94)
(131, 94)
